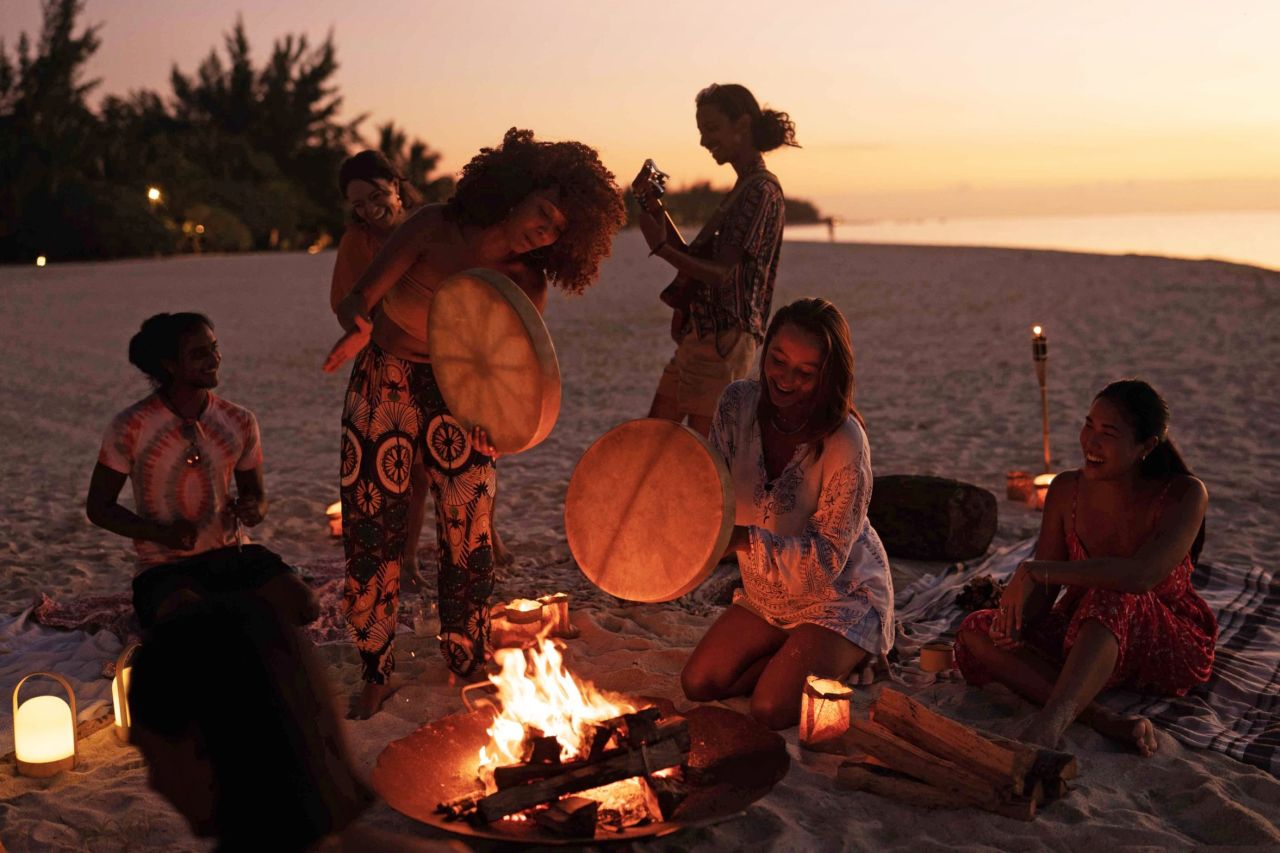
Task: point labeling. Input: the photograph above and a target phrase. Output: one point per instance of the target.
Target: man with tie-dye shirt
(181, 446)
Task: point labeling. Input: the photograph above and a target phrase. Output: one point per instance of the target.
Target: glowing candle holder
(826, 709)
(555, 613)
(41, 260)
(44, 730)
(334, 514)
(516, 623)
(120, 692)
(1042, 489)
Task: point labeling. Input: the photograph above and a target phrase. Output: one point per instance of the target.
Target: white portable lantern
(44, 730)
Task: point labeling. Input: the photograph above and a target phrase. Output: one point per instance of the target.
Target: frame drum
(649, 510)
(493, 359)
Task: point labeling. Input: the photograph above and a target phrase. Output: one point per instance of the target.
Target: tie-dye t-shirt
(182, 468)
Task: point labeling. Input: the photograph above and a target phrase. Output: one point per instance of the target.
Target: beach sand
(944, 380)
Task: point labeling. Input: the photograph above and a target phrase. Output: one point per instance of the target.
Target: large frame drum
(493, 359)
(649, 510)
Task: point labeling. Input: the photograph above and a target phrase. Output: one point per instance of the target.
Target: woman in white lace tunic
(817, 595)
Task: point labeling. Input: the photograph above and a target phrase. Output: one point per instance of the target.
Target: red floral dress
(1166, 636)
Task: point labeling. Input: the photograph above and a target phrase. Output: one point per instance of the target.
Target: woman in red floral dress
(1122, 535)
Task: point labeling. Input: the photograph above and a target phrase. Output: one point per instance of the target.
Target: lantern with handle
(44, 730)
(120, 692)
(825, 712)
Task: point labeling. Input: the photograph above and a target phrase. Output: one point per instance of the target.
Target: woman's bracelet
(658, 248)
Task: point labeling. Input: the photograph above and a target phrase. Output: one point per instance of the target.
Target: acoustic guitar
(649, 186)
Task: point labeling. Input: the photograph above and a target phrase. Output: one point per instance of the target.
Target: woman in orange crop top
(539, 212)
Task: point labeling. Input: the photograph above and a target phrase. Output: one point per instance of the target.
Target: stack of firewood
(915, 755)
(635, 745)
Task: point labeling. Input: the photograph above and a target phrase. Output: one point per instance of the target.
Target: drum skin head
(493, 359)
(649, 510)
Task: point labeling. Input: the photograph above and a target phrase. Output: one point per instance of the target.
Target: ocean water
(1248, 237)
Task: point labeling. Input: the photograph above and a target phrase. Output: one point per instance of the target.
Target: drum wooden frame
(493, 359)
(649, 510)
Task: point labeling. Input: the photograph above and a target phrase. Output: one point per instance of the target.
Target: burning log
(635, 730)
(573, 817)
(614, 767)
(646, 747)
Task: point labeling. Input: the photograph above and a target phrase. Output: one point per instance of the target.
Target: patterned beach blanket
(1237, 712)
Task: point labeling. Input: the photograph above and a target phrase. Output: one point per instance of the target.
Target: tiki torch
(1040, 354)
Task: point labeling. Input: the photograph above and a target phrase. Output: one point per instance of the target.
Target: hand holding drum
(649, 510)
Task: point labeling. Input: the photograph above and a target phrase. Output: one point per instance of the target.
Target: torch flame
(536, 690)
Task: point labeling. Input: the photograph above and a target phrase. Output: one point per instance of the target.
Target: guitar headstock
(649, 186)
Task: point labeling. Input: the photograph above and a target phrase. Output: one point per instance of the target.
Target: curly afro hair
(497, 179)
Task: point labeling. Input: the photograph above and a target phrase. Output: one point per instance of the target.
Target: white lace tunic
(814, 557)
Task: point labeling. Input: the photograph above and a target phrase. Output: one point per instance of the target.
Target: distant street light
(153, 194)
(41, 261)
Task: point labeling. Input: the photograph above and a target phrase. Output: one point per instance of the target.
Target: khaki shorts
(697, 374)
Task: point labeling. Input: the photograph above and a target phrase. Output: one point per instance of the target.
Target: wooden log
(951, 740)
(885, 782)
(571, 817)
(931, 518)
(906, 757)
(510, 775)
(620, 764)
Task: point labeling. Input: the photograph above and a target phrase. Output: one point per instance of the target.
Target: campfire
(568, 756)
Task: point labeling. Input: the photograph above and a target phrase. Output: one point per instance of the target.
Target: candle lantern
(1042, 489)
(825, 713)
(120, 692)
(44, 730)
(555, 611)
(334, 513)
(516, 623)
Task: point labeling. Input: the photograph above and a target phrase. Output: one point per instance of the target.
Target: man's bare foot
(501, 556)
(371, 699)
(1134, 731)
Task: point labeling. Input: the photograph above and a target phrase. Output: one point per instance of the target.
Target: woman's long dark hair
(1148, 414)
(231, 674)
(770, 129)
(159, 340)
(834, 395)
(370, 166)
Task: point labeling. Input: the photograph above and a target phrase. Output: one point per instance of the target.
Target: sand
(945, 382)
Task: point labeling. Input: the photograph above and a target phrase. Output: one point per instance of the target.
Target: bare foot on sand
(1137, 732)
(371, 699)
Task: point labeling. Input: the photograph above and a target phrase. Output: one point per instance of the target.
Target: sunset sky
(905, 109)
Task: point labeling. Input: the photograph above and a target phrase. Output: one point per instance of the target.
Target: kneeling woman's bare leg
(730, 657)
(809, 650)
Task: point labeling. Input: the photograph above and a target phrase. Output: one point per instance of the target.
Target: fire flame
(536, 691)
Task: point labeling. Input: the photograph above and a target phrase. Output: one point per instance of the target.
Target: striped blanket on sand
(1237, 712)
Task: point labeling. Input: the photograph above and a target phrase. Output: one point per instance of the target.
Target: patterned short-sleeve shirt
(151, 444)
(750, 230)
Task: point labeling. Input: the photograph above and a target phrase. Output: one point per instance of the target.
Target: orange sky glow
(904, 110)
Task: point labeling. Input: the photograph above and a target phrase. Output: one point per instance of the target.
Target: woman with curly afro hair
(540, 213)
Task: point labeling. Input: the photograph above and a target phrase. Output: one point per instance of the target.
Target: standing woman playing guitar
(724, 279)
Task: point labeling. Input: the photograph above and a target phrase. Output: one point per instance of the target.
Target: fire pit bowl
(733, 761)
